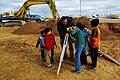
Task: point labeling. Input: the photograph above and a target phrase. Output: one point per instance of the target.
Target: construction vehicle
(22, 13)
(10, 21)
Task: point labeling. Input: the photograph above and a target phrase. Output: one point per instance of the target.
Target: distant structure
(114, 16)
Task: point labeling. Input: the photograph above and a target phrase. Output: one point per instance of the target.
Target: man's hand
(70, 28)
(67, 29)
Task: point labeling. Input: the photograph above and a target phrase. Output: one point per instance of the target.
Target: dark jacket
(40, 42)
(62, 29)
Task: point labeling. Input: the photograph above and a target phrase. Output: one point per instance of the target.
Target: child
(80, 41)
(49, 46)
(86, 32)
(41, 43)
(94, 43)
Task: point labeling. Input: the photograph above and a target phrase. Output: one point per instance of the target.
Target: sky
(67, 7)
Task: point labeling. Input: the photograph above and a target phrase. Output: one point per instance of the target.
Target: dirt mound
(108, 31)
(115, 28)
(29, 28)
(84, 21)
(35, 28)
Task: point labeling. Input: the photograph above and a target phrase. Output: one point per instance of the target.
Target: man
(94, 43)
(62, 26)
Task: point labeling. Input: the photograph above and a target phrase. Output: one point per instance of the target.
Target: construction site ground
(20, 60)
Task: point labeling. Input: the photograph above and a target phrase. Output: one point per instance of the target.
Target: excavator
(22, 13)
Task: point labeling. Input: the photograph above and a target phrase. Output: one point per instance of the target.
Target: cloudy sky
(67, 7)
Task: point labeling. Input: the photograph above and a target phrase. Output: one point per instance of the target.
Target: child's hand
(55, 46)
(36, 47)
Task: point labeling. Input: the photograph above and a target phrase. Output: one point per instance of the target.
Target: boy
(94, 43)
(40, 42)
(80, 41)
(86, 32)
(49, 46)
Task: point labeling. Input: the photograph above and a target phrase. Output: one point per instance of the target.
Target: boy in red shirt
(50, 44)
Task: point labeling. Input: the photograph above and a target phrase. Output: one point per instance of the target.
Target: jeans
(78, 54)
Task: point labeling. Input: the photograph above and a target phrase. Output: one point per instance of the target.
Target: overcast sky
(66, 7)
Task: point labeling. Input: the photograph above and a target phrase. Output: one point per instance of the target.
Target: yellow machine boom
(23, 10)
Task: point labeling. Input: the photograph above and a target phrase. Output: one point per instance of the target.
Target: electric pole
(80, 8)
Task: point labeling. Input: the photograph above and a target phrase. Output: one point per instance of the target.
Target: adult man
(62, 26)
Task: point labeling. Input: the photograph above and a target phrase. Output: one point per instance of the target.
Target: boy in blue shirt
(86, 33)
(40, 42)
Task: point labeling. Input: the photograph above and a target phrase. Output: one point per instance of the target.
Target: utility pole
(80, 8)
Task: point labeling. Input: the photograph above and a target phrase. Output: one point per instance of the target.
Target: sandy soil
(19, 60)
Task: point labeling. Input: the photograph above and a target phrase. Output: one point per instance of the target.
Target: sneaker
(76, 71)
(91, 68)
(43, 63)
(52, 64)
(82, 64)
(49, 65)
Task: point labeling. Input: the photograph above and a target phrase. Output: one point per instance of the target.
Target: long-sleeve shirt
(62, 28)
(49, 42)
(86, 32)
(95, 38)
(40, 42)
(78, 36)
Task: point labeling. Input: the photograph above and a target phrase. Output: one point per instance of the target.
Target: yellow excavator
(22, 13)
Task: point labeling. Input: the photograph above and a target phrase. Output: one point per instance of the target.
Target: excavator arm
(23, 10)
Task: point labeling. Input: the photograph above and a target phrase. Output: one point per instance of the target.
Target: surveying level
(62, 53)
